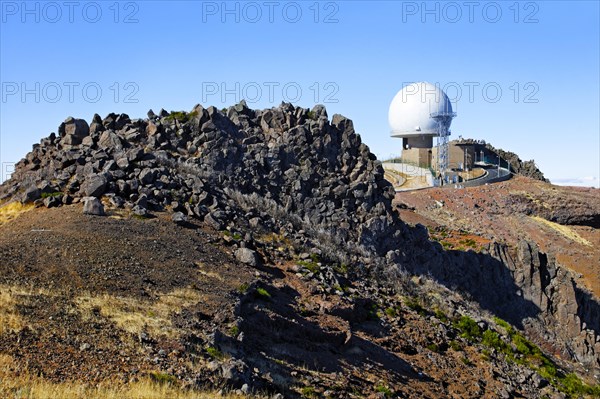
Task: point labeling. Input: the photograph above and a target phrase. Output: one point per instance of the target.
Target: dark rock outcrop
(523, 168)
(288, 162)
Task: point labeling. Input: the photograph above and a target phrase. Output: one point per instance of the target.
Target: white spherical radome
(411, 109)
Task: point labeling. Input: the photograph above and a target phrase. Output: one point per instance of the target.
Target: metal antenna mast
(443, 120)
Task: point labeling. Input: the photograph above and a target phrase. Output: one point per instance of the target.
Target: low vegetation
(566, 231)
(236, 236)
(54, 194)
(414, 304)
(215, 353)
(459, 240)
(516, 348)
(384, 389)
(468, 327)
(181, 116)
(134, 316)
(262, 293)
(311, 264)
(156, 385)
(10, 320)
(12, 210)
(10, 298)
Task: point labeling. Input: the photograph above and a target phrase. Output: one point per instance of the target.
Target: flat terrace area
(405, 177)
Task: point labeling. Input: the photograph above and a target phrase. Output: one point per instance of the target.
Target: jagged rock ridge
(293, 161)
(524, 168)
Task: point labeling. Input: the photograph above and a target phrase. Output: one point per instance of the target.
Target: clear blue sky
(353, 56)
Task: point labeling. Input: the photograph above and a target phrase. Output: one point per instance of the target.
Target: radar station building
(418, 113)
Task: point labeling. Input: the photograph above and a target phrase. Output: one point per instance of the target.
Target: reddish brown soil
(62, 253)
(502, 212)
(301, 336)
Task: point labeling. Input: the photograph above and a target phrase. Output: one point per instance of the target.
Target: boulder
(95, 186)
(139, 211)
(52, 201)
(72, 131)
(31, 194)
(93, 206)
(247, 256)
(179, 218)
(110, 140)
(147, 176)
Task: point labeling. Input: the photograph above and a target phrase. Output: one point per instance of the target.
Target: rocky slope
(546, 246)
(523, 168)
(284, 268)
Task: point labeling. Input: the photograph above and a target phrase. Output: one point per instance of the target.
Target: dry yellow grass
(564, 230)
(12, 210)
(9, 317)
(209, 274)
(25, 386)
(10, 297)
(280, 240)
(134, 316)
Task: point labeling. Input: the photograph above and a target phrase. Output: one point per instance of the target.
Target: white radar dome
(412, 108)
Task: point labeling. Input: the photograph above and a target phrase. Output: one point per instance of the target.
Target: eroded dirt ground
(563, 221)
(101, 299)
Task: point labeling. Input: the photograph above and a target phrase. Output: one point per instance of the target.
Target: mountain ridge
(301, 201)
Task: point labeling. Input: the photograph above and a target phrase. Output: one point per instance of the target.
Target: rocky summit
(261, 253)
(297, 166)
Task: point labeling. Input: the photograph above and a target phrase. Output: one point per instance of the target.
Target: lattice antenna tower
(443, 119)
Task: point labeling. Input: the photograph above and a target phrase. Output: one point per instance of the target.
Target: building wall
(457, 156)
(422, 152)
(417, 156)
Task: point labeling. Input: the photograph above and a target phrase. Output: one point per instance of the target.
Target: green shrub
(523, 346)
(446, 244)
(342, 268)
(308, 392)
(242, 289)
(373, 312)
(261, 292)
(311, 265)
(468, 328)
(180, 116)
(492, 339)
(571, 384)
(391, 312)
(215, 353)
(384, 389)
(455, 345)
(413, 304)
(440, 315)
(433, 347)
(485, 354)
(547, 369)
(469, 242)
(509, 329)
(234, 331)
(235, 236)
